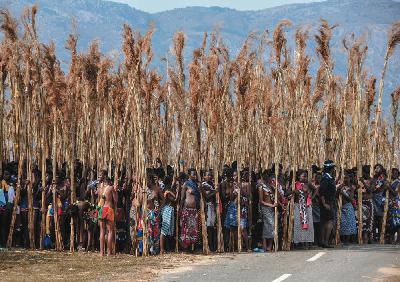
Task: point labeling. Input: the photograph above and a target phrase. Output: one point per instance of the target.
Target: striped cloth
(167, 217)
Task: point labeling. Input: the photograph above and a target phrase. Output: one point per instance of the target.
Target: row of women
(182, 211)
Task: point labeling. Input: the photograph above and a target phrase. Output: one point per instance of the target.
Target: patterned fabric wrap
(367, 214)
(91, 215)
(139, 228)
(167, 220)
(153, 229)
(243, 211)
(302, 205)
(231, 219)
(268, 218)
(210, 206)
(211, 215)
(189, 226)
(348, 225)
(379, 204)
(106, 213)
(316, 213)
(3, 200)
(379, 198)
(301, 234)
(394, 210)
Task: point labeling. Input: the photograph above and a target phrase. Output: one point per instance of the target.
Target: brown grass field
(22, 265)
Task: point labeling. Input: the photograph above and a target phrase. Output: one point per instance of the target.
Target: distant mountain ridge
(103, 20)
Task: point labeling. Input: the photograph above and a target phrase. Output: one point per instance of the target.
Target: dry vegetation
(214, 110)
(63, 266)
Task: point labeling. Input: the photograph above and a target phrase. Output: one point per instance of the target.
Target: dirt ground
(22, 265)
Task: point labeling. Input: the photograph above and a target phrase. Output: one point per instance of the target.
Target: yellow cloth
(48, 220)
(4, 185)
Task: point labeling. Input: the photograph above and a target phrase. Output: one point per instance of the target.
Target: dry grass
(120, 115)
(55, 266)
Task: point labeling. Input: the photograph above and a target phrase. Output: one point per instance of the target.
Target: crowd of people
(175, 208)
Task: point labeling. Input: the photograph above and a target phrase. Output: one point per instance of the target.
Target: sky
(153, 6)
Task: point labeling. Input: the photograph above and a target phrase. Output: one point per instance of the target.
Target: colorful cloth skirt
(301, 234)
(153, 231)
(394, 213)
(348, 225)
(368, 215)
(106, 213)
(189, 226)
(231, 219)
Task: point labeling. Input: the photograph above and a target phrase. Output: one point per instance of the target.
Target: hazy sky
(162, 5)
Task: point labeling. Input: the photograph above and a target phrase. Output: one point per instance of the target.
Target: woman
(348, 225)
(167, 214)
(316, 208)
(155, 200)
(303, 218)
(209, 194)
(231, 220)
(267, 211)
(378, 185)
(394, 211)
(367, 205)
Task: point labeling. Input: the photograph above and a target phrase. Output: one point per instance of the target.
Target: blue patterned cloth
(167, 217)
(348, 225)
(379, 204)
(394, 209)
(231, 215)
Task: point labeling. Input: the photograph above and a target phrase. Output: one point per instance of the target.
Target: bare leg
(102, 236)
(212, 240)
(80, 231)
(235, 239)
(227, 239)
(24, 229)
(245, 238)
(365, 237)
(89, 238)
(162, 244)
(110, 239)
(269, 245)
(328, 226)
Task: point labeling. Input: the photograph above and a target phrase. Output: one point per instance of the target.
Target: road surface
(353, 263)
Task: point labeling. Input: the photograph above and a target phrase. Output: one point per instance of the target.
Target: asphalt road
(353, 263)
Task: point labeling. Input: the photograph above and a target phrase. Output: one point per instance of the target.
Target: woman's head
(209, 175)
(378, 169)
(329, 167)
(302, 175)
(395, 173)
(192, 174)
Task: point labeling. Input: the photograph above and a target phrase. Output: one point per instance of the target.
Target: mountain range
(103, 21)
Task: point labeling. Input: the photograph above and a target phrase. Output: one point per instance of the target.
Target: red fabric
(107, 213)
(189, 227)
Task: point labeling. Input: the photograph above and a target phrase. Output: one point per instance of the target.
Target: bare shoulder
(109, 189)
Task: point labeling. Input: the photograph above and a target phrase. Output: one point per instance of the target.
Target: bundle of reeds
(212, 111)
